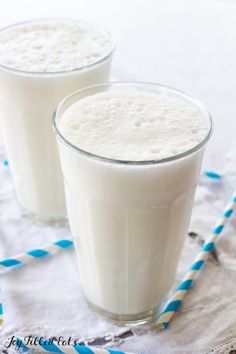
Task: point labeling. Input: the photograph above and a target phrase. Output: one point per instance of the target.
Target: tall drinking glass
(129, 219)
(27, 102)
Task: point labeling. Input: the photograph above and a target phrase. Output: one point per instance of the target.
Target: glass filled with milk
(131, 155)
(42, 61)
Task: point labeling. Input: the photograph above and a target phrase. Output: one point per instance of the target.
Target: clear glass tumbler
(27, 102)
(128, 219)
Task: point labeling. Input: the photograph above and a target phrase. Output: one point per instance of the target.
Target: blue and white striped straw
(51, 347)
(213, 175)
(5, 162)
(177, 298)
(1, 309)
(27, 257)
(38, 253)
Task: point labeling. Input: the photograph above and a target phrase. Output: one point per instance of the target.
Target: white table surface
(188, 44)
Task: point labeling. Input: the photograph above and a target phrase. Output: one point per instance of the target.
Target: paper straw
(177, 298)
(38, 253)
(213, 175)
(1, 309)
(5, 162)
(48, 346)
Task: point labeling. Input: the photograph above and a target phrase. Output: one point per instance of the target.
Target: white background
(188, 44)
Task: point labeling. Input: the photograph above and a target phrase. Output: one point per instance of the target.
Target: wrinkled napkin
(44, 298)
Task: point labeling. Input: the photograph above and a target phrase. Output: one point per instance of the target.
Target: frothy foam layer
(52, 45)
(133, 125)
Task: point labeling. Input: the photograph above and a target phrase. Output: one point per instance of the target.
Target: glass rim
(171, 158)
(59, 72)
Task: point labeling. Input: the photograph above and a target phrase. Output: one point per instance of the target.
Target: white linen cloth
(44, 298)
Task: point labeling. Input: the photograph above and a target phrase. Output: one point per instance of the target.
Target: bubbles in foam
(52, 45)
(112, 125)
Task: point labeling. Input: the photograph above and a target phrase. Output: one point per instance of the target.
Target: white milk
(129, 219)
(40, 63)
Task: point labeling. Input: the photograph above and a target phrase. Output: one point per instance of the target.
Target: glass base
(54, 222)
(44, 220)
(126, 320)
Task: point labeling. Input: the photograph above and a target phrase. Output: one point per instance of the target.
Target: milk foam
(52, 45)
(133, 125)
